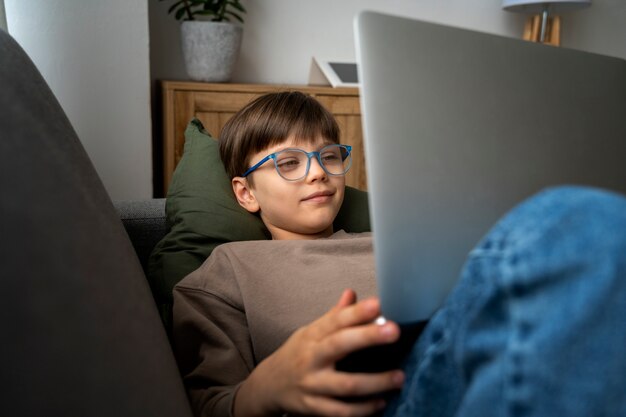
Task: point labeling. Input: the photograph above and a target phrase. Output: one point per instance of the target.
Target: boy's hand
(300, 377)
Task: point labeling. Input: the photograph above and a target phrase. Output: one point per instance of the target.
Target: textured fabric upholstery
(80, 332)
(145, 223)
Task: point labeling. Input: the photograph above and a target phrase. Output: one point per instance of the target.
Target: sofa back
(81, 333)
(146, 224)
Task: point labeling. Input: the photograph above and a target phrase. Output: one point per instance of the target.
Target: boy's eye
(331, 157)
(288, 164)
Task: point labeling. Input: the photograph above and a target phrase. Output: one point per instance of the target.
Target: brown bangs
(270, 120)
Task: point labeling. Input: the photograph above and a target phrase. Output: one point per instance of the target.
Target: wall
(95, 57)
(281, 36)
(3, 19)
(600, 28)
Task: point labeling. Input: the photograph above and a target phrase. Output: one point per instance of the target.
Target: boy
(252, 331)
(535, 326)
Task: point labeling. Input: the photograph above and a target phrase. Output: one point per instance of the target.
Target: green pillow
(202, 213)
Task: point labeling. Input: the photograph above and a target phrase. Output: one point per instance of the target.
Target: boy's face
(303, 209)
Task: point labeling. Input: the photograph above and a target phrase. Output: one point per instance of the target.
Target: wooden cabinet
(214, 104)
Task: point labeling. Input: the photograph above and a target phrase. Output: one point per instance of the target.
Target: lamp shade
(538, 6)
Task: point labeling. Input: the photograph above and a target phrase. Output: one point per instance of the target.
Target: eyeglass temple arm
(258, 164)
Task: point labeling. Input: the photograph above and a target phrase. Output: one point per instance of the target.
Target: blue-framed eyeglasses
(293, 164)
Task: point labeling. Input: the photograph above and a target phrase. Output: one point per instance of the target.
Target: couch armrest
(145, 224)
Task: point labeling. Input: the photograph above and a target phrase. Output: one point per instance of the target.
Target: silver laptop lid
(461, 126)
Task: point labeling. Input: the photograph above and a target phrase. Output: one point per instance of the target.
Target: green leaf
(237, 6)
(180, 13)
(206, 13)
(220, 10)
(175, 5)
(208, 5)
(235, 15)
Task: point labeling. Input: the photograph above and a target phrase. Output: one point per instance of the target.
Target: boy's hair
(268, 121)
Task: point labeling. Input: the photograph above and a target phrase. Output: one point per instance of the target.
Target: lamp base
(552, 31)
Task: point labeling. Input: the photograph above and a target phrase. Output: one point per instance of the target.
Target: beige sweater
(249, 297)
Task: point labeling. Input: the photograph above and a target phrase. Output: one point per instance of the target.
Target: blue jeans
(537, 323)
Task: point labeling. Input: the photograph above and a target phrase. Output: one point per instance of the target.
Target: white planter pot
(210, 49)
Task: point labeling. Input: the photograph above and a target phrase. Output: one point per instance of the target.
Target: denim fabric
(537, 323)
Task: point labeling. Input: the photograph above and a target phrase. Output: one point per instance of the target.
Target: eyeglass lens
(293, 164)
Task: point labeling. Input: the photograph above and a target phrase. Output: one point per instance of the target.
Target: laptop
(461, 126)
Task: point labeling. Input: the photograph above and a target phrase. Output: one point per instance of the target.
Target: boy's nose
(315, 170)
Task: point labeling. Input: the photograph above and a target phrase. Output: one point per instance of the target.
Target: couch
(81, 335)
(145, 223)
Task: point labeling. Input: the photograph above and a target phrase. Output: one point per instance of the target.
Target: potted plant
(210, 40)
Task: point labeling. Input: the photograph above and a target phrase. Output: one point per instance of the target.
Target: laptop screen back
(461, 126)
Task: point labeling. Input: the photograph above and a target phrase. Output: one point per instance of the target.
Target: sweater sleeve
(211, 338)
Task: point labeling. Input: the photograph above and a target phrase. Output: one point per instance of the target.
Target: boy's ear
(244, 195)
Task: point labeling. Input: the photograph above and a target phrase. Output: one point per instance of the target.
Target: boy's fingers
(348, 297)
(325, 406)
(341, 343)
(353, 315)
(345, 384)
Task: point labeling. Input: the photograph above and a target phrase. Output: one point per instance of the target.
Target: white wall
(95, 56)
(600, 28)
(299, 29)
(281, 36)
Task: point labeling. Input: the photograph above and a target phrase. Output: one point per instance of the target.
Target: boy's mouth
(319, 196)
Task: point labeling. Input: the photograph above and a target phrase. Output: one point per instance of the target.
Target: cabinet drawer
(340, 105)
(228, 102)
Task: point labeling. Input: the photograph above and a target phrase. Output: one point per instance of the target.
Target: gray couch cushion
(144, 221)
(81, 334)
